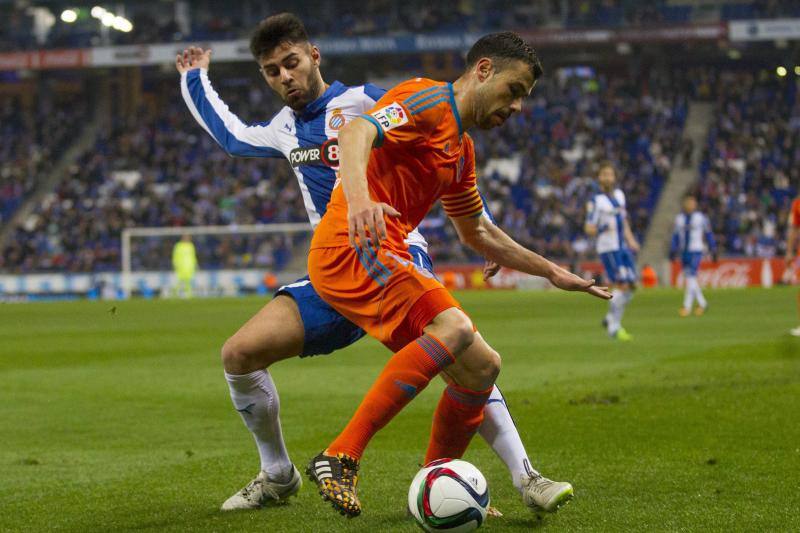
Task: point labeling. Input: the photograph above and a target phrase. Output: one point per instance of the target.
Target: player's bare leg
(500, 433)
(273, 334)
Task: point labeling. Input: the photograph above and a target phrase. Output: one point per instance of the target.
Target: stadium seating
(160, 169)
(749, 166)
(157, 168)
(159, 22)
(29, 141)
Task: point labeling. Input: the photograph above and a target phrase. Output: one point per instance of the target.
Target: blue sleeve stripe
(419, 102)
(455, 109)
(486, 208)
(431, 104)
(373, 91)
(216, 125)
(375, 123)
(411, 100)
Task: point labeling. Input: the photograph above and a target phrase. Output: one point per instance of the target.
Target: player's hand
(566, 280)
(490, 269)
(365, 218)
(192, 58)
(634, 246)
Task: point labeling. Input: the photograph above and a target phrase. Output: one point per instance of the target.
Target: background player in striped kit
(607, 220)
(691, 234)
(297, 322)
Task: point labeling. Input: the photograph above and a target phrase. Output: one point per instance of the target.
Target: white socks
(255, 397)
(500, 432)
(691, 292)
(616, 308)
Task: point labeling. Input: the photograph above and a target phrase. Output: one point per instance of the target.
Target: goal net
(234, 259)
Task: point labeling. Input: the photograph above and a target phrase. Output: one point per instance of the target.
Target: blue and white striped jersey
(691, 229)
(307, 139)
(607, 213)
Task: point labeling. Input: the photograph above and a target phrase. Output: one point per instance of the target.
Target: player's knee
(481, 371)
(234, 359)
(488, 371)
(454, 329)
(461, 334)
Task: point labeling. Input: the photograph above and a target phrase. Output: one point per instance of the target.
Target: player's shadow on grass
(521, 524)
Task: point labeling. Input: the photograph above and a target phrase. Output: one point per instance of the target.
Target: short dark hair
(504, 46)
(606, 163)
(276, 30)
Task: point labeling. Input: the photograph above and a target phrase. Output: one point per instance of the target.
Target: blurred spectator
(205, 20)
(749, 170)
(30, 143)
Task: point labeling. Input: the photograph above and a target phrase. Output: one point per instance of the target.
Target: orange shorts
(383, 293)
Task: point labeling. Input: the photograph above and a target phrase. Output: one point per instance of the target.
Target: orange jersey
(420, 155)
(794, 217)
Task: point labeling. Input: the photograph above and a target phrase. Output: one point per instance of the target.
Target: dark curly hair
(502, 47)
(276, 30)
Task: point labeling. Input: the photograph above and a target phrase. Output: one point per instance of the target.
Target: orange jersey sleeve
(795, 216)
(462, 199)
(411, 111)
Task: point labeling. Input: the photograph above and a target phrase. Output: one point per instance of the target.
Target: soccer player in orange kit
(407, 152)
(792, 244)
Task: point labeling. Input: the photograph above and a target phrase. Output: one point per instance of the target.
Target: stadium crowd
(749, 170)
(156, 167)
(30, 139)
(25, 26)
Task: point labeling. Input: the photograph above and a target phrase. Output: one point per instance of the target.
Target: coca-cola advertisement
(746, 272)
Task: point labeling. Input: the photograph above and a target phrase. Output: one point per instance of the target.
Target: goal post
(128, 236)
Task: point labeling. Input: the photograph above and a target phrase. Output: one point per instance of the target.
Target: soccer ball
(448, 494)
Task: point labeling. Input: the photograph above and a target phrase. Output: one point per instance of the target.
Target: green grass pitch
(121, 420)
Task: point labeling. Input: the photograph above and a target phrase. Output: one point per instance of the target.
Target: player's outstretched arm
(213, 114)
(364, 216)
(192, 58)
(490, 241)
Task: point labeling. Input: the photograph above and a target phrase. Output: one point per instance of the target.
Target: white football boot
(262, 492)
(542, 494)
(795, 332)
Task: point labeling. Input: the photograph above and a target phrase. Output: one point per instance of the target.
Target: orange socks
(406, 374)
(457, 418)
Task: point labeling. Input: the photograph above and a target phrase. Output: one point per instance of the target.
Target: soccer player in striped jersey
(297, 322)
(607, 220)
(689, 238)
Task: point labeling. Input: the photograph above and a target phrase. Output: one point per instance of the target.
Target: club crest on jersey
(337, 120)
(391, 116)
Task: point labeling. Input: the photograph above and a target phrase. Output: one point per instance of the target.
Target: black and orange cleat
(337, 478)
